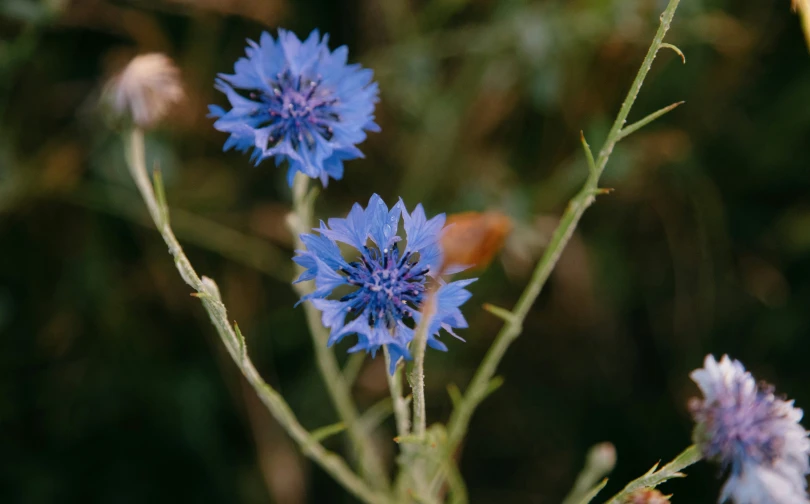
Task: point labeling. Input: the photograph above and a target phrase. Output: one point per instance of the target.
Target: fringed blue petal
(279, 82)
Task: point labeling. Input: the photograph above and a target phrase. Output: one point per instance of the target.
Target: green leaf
(327, 431)
(501, 313)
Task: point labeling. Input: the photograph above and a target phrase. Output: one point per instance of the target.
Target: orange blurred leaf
(473, 238)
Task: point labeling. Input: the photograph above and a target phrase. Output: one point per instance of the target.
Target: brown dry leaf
(473, 238)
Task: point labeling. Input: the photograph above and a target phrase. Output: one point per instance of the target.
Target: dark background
(113, 385)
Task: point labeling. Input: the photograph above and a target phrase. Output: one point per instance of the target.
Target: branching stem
(477, 389)
(208, 293)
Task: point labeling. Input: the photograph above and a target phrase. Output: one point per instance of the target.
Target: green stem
(208, 293)
(599, 462)
(403, 422)
(400, 404)
(339, 390)
(417, 377)
(477, 390)
(654, 478)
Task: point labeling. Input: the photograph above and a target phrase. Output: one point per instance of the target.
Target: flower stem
(208, 293)
(300, 222)
(654, 478)
(477, 390)
(403, 422)
(417, 377)
(417, 381)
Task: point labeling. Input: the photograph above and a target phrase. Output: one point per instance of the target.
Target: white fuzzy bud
(146, 89)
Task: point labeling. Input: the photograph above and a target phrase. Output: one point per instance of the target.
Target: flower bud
(647, 496)
(146, 89)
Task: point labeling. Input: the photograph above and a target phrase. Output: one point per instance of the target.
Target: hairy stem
(208, 293)
(339, 390)
(477, 390)
(402, 416)
(417, 378)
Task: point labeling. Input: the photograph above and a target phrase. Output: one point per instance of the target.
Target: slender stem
(455, 482)
(403, 422)
(339, 390)
(417, 377)
(599, 462)
(208, 293)
(477, 390)
(400, 404)
(417, 466)
(654, 478)
(353, 366)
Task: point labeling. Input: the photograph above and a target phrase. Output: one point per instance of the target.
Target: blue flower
(297, 102)
(385, 289)
(752, 434)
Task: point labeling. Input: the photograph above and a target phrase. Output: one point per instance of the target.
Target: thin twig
(477, 390)
(208, 293)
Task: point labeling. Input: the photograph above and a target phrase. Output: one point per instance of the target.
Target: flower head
(387, 286)
(146, 89)
(297, 102)
(752, 433)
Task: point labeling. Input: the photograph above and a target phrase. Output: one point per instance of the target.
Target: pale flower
(146, 89)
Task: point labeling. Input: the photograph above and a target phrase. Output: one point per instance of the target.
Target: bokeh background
(113, 385)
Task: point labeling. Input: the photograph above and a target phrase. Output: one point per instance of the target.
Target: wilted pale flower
(297, 102)
(146, 89)
(751, 433)
(390, 285)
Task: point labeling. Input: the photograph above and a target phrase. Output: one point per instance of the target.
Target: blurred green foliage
(112, 385)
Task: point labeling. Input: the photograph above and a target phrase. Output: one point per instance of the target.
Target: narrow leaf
(588, 153)
(675, 48)
(160, 194)
(647, 120)
(327, 431)
(499, 312)
(455, 394)
(494, 384)
(588, 497)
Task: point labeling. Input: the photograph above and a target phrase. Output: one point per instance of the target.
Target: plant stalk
(339, 390)
(477, 390)
(208, 293)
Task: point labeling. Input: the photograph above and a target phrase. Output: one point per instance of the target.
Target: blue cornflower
(385, 289)
(752, 434)
(297, 102)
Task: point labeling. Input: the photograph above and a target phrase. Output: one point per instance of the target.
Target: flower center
(297, 108)
(389, 288)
